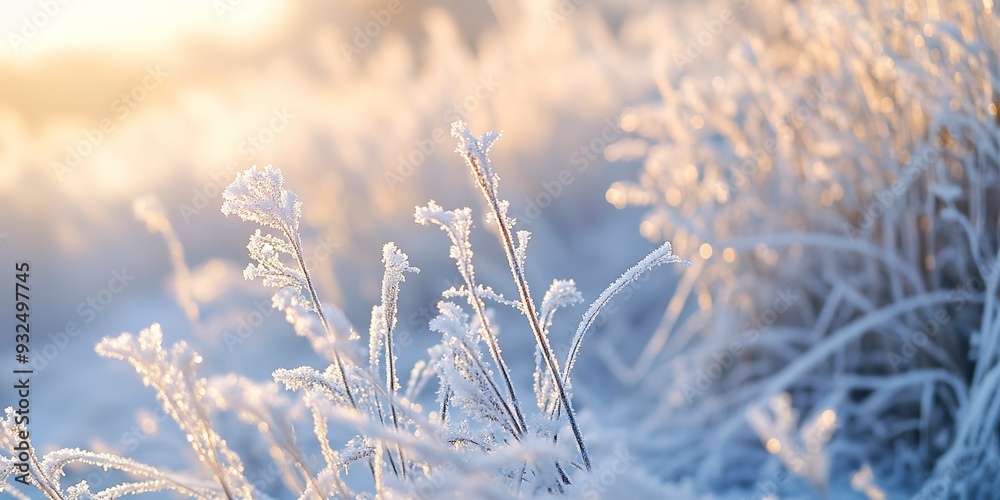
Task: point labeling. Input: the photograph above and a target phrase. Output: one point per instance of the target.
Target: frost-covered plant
(480, 441)
(839, 176)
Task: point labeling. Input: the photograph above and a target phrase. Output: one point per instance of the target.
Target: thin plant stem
(296, 241)
(528, 304)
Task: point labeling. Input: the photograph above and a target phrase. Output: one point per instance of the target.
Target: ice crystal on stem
(476, 154)
(658, 257)
(171, 374)
(481, 429)
(260, 196)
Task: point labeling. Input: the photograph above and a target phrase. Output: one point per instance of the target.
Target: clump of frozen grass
(839, 176)
(480, 441)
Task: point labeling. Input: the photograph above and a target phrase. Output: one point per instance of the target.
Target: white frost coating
(376, 337)
(476, 154)
(289, 301)
(660, 256)
(457, 224)
(306, 378)
(151, 478)
(561, 293)
(521, 252)
(452, 320)
(397, 264)
(267, 250)
(171, 374)
(260, 196)
(483, 292)
(480, 426)
(476, 147)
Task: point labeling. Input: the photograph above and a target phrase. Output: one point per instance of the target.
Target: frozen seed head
(471, 146)
(476, 151)
(260, 196)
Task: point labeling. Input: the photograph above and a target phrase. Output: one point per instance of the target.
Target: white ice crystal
(180, 392)
(268, 250)
(660, 256)
(260, 196)
(480, 429)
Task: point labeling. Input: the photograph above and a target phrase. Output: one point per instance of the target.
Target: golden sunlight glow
(673, 196)
(628, 122)
(690, 173)
(837, 191)
(148, 424)
(705, 250)
(829, 417)
(134, 27)
(705, 301)
(616, 196)
(649, 230)
(886, 105)
(773, 446)
(729, 255)
(826, 198)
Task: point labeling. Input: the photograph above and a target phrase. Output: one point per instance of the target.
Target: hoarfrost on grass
(477, 442)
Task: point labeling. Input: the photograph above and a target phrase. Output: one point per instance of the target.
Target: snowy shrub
(479, 440)
(839, 176)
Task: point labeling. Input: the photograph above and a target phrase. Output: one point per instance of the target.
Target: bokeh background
(761, 138)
